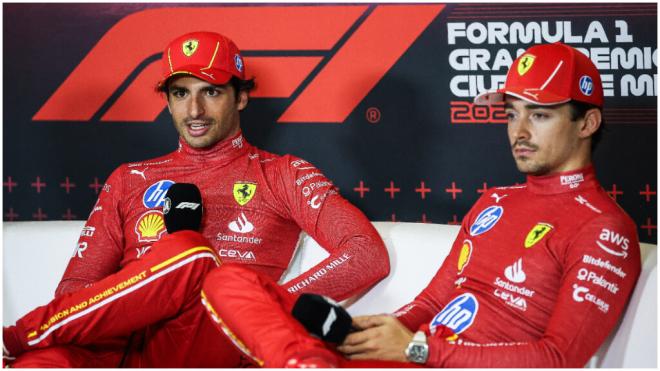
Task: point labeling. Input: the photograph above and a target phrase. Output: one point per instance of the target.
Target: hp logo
(486, 220)
(586, 85)
(154, 196)
(458, 315)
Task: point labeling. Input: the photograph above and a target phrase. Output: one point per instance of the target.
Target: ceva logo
(339, 54)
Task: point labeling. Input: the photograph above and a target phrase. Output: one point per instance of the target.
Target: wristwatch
(417, 350)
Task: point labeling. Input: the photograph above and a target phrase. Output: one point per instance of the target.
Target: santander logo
(515, 273)
(241, 225)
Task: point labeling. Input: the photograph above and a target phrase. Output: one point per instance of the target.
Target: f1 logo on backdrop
(335, 82)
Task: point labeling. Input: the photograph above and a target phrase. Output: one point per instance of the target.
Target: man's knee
(182, 248)
(228, 277)
(67, 356)
(179, 242)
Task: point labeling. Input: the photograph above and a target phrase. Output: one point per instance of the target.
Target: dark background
(414, 139)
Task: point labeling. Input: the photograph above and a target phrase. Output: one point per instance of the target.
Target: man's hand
(380, 337)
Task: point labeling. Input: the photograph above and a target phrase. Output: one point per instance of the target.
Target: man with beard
(129, 275)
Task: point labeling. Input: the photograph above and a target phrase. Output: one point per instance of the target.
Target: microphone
(323, 317)
(183, 208)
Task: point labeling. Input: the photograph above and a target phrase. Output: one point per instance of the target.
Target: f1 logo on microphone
(338, 52)
(187, 205)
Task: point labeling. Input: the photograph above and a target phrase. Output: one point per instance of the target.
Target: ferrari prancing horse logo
(244, 191)
(525, 64)
(536, 234)
(189, 47)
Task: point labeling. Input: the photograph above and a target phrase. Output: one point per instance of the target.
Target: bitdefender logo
(331, 45)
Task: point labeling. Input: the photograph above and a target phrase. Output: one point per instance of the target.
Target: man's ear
(242, 100)
(590, 123)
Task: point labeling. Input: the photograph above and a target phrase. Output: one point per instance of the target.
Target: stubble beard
(204, 141)
(530, 167)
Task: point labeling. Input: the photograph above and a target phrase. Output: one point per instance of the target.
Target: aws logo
(613, 243)
(325, 58)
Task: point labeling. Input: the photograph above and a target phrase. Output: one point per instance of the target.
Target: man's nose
(196, 107)
(520, 129)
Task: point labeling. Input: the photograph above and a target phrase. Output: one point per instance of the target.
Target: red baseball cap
(206, 55)
(550, 74)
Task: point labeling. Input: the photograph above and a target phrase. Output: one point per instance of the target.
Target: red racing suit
(255, 206)
(538, 276)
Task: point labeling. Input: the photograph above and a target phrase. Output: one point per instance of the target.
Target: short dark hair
(239, 85)
(578, 111)
(242, 85)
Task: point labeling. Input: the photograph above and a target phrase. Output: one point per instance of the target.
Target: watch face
(418, 353)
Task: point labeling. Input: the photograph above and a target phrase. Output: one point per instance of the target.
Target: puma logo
(140, 173)
(497, 197)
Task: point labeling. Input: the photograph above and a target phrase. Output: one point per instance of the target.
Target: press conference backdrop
(378, 96)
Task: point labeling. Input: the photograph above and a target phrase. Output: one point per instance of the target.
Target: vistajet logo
(355, 45)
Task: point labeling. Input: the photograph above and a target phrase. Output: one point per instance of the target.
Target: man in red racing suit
(255, 206)
(538, 275)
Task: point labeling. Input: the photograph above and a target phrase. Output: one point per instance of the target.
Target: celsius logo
(515, 273)
(154, 196)
(327, 93)
(458, 315)
(581, 293)
(486, 220)
(315, 203)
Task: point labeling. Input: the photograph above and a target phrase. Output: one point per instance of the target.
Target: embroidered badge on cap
(525, 64)
(189, 47)
(238, 62)
(586, 85)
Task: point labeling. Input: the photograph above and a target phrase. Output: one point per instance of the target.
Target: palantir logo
(154, 196)
(486, 220)
(515, 273)
(458, 315)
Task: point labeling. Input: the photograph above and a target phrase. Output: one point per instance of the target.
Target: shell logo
(464, 255)
(150, 226)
